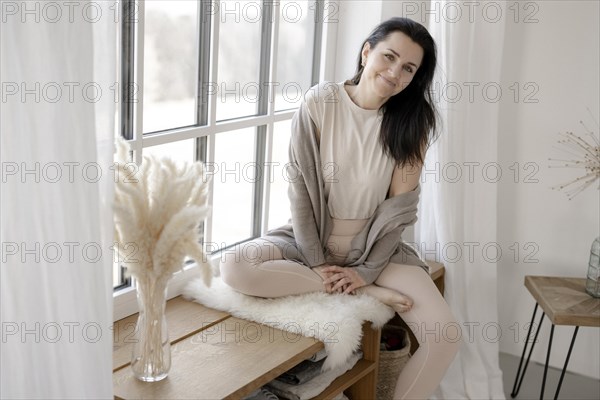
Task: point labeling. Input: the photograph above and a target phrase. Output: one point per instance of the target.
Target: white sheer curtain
(457, 213)
(57, 128)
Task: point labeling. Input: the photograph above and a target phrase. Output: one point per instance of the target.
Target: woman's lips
(388, 82)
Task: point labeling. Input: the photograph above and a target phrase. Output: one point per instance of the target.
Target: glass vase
(592, 283)
(151, 356)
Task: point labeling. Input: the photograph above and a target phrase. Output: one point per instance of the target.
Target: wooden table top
(564, 300)
(214, 355)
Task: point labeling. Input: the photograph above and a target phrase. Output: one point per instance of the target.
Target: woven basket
(391, 362)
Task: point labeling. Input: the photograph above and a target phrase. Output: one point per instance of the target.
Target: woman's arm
(304, 188)
(404, 179)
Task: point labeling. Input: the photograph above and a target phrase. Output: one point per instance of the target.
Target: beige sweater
(304, 239)
(357, 172)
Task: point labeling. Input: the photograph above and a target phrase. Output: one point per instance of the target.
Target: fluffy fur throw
(334, 319)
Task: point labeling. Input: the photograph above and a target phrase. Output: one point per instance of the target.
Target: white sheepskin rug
(334, 319)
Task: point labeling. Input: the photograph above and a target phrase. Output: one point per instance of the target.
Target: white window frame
(125, 299)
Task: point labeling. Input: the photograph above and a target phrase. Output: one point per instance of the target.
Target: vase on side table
(592, 283)
(151, 355)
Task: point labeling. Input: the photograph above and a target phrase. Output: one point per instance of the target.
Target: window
(219, 81)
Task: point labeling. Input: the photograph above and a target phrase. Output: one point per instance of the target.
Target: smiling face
(390, 66)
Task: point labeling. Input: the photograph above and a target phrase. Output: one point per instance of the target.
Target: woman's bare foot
(396, 300)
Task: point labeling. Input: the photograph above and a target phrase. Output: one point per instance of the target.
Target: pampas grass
(158, 209)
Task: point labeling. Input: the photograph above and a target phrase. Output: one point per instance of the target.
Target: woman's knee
(239, 276)
(430, 317)
(238, 266)
(235, 269)
(436, 329)
(229, 271)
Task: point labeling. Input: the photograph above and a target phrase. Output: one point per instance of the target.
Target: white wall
(355, 19)
(558, 55)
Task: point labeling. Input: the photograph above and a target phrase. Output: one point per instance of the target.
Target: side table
(565, 302)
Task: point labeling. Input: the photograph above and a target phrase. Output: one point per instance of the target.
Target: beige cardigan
(304, 239)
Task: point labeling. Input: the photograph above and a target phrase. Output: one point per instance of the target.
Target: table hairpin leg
(547, 361)
(519, 380)
(520, 376)
(562, 374)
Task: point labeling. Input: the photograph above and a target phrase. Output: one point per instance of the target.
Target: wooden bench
(217, 356)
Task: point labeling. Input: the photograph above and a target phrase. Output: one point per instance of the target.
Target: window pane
(181, 151)
(233, 182)
(279, 204)
(118, 278)
(170, 64)
(294, 52)
(239, 54)
(118, 271)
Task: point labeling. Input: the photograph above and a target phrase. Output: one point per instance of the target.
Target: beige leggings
(257, 268)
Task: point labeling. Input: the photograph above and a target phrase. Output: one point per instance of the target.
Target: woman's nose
(396, 71)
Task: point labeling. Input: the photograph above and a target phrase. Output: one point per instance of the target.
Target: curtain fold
(57, 123)
(457, 216)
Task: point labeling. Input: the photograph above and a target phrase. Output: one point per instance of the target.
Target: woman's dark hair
(410, 116)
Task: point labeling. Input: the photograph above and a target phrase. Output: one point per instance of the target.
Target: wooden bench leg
(366, 387)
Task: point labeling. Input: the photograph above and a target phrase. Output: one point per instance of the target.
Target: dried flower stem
(153, 358)
(158, 210)
(589, 154)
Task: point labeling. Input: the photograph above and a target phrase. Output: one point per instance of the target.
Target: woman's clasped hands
(339, 279)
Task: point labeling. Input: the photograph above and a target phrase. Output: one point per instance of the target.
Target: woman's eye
(389, 56)
(409, 69)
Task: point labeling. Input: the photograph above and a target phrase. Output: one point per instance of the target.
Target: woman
(356, 153)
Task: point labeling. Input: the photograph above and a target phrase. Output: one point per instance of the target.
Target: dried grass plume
(158, 209)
